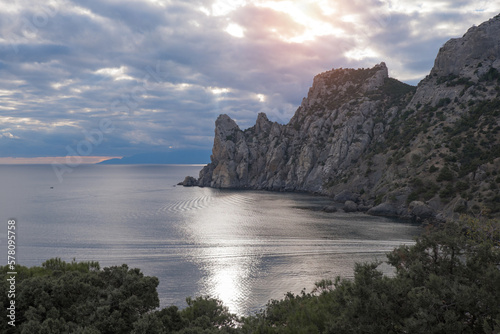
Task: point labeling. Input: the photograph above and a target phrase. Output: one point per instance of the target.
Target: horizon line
(80, 160)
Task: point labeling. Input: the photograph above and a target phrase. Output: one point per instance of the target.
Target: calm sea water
(244, 247)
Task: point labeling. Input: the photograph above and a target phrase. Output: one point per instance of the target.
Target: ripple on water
(245, 247)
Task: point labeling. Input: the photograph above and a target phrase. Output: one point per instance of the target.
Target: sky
(83, 81)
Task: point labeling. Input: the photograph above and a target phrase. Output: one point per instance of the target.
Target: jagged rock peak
(225, 127)
(372, 76)
(226, 123)
(460, 63)
(480, 44)
(341, 84)
(263, 124)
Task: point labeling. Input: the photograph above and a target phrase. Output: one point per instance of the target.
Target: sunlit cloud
(351, 18)
(59, 85)
(115, 73)
(235, 30)
(224, 7)
(25, 121)
(84, 12)
(204, 10)
(161, 3)
(305, 14)
(360, 54)
(218, 91)
(9, 135)
(19, 120)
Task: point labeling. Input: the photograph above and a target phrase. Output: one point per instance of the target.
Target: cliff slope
(369, 139)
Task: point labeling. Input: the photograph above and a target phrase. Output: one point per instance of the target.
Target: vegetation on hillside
(448, 282)
(450, 149)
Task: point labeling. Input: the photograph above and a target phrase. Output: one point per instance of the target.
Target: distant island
(379, 145)
(171, 157)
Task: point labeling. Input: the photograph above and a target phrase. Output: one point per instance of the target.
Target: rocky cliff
(374, 142)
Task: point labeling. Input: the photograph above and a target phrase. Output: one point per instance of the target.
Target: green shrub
(72, 297)
(433, 169)
(462, 186)
(443, 102)
(447, 191)
(491, 75)
(445, 174)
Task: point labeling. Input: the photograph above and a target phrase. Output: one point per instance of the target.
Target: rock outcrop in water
(379, 144)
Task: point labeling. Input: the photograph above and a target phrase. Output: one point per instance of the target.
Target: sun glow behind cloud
(261, 97)
(224, 7)
(308, 15)
(235, 30)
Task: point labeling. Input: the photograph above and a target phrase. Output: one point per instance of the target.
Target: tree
(453, 278)
(62, 297)
(445, 174)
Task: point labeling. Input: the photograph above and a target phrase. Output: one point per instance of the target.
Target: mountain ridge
(373, 142)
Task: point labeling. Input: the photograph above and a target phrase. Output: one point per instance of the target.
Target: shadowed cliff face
(332, 127)
(380, 142)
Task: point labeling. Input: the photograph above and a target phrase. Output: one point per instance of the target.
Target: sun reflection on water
(228, 281)
(252, 247)
(221, 254)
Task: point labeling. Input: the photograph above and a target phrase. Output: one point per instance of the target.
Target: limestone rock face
(462, 62)
(327, 133)
(364, 137)
(479, 44)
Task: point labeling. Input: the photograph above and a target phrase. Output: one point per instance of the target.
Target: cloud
(162, 71)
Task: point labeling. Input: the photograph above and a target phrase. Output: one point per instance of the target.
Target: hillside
(378, 144)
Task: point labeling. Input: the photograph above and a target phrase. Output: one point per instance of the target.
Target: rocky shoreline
(416, 211)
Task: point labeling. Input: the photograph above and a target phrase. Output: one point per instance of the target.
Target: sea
(244, 247)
